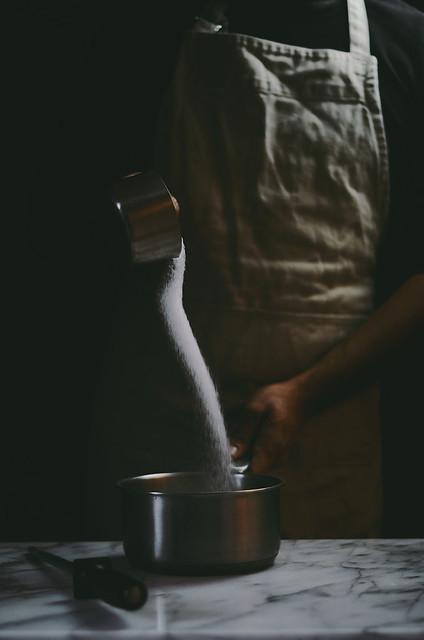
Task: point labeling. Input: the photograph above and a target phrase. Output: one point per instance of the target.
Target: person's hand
(268, 425)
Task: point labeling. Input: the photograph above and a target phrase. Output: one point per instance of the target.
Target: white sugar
(217, 460)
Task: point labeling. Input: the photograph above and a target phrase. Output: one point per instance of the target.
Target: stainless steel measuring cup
(150, 215)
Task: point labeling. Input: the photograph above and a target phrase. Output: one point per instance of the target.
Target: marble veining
(316, 590)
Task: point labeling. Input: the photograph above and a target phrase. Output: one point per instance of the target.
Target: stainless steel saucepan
(173, 525)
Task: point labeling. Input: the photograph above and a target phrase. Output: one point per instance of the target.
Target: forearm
(363, 356)
(276, 412)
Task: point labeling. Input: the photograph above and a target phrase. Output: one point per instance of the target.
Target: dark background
(82, 81)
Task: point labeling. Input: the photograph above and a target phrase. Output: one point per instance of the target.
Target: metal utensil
(240, 465)
(96, 578)
(172, 525)
(150, 215)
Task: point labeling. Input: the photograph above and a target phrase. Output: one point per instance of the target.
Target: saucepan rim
(274, 482)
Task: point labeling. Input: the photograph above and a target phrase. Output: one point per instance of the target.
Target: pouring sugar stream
(217, 462)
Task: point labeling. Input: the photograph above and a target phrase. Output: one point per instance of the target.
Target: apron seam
(277, 312)
(258, 87)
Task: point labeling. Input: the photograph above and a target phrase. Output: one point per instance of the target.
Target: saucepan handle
(241, 465)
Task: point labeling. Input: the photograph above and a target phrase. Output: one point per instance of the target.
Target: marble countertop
(316, 590)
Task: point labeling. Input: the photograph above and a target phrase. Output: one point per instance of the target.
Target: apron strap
(215, 13)
(358, 27)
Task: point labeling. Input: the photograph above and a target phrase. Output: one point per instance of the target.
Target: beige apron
(277, 156)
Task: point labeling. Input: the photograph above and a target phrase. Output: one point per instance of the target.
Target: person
(280, 148)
